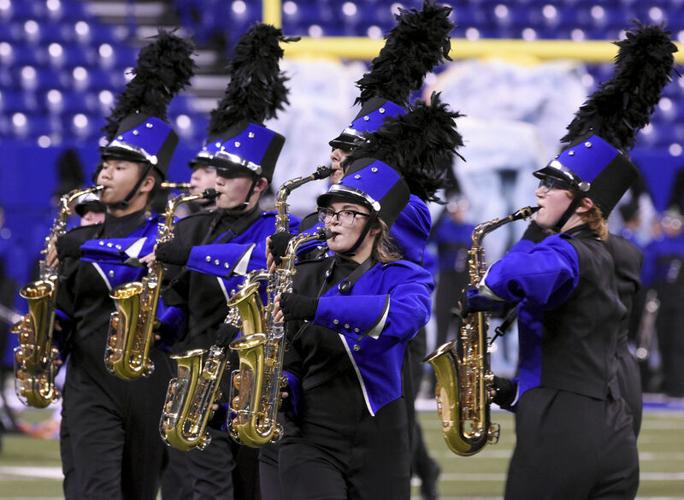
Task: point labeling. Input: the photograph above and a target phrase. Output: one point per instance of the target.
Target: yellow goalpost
(592, 51)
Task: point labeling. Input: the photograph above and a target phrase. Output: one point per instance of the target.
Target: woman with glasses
(574, 433)
(349, 320)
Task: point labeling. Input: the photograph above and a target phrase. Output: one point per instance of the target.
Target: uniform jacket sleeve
(397, 314)
(225, 259)
(545, 275)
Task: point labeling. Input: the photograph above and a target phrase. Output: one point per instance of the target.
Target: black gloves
(225, 334)
(298, 307)
(277, 245)
(535, 233)
(68, 248)
(505, 392)
(173, 252)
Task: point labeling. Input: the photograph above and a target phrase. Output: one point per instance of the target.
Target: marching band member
(349, 320)
(574, 434)
(347, 327)
(419, 41)
(110, 445)
(218, 248)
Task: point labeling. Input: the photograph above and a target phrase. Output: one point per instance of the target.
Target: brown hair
(596, 222)
(384, 248)
(594, 219)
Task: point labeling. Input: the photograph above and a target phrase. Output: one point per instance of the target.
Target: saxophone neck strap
(347, 283)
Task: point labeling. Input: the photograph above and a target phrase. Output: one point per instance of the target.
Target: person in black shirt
(110, 444)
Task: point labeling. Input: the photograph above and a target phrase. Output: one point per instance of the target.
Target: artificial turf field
(30, 468)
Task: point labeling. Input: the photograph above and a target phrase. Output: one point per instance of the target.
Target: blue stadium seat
(17, 101)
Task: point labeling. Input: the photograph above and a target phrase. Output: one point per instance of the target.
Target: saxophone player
(218, 248)
(109, 444)
(575, 437)
(351, 316)
(385, 93)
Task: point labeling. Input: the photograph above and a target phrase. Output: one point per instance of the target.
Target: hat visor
(117, 153)
(345, 142)
(91, 206)
(327, 199)
(560, 175)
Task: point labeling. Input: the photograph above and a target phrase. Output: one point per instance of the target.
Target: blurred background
(520, 69)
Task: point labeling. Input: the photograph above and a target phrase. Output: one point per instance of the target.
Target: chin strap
(568, 212)
(369, 223)
(243, 206)
(124, 203)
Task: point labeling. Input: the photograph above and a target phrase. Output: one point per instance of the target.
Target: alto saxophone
(131, 326)
(191, 395)
(35, 357)
(465, 383)
(257, 383)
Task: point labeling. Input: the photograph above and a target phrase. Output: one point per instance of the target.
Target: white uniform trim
(358, 374)
(241, 266)
(223, 287)
(134, 250)
(104, 276)
(485, 290)
(380, 325)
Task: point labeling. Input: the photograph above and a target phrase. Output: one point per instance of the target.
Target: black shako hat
(595, 161)
(137, 129)
(418, 42)
(238, 142)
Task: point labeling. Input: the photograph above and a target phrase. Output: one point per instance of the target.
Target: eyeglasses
(345, 217)
(548, 183)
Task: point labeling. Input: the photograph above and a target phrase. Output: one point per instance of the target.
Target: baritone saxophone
(465, 383)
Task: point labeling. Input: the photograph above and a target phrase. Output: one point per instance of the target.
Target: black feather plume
(420, 144)
(256, 91)
(164, 67)
(418, 42)
(624, 104)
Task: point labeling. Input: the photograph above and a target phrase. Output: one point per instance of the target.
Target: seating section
(60, 68)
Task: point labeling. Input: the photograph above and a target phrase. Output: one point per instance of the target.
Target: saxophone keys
(493, 433)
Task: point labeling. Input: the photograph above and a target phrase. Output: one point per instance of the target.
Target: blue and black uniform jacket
(568, 307)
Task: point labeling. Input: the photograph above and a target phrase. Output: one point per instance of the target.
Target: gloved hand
(505, 393)
(225, 334)
(298, 307)
(535, 233)
(277, 245)
(68, 248)
(173, 252)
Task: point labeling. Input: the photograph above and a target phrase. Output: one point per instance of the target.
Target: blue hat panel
(249, 145)
(147, 137)
(588, 158)
(375, 179)
(371, 122)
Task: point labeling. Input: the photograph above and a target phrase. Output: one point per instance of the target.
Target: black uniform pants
(572, 447)
(372, 464)
(629, 379)
(671, 346)
(211, 469)
(111, 447)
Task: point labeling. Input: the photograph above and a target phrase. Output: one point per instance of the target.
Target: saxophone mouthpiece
(324, 233)
(322, 172)
(524, 213)
(210, 194)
